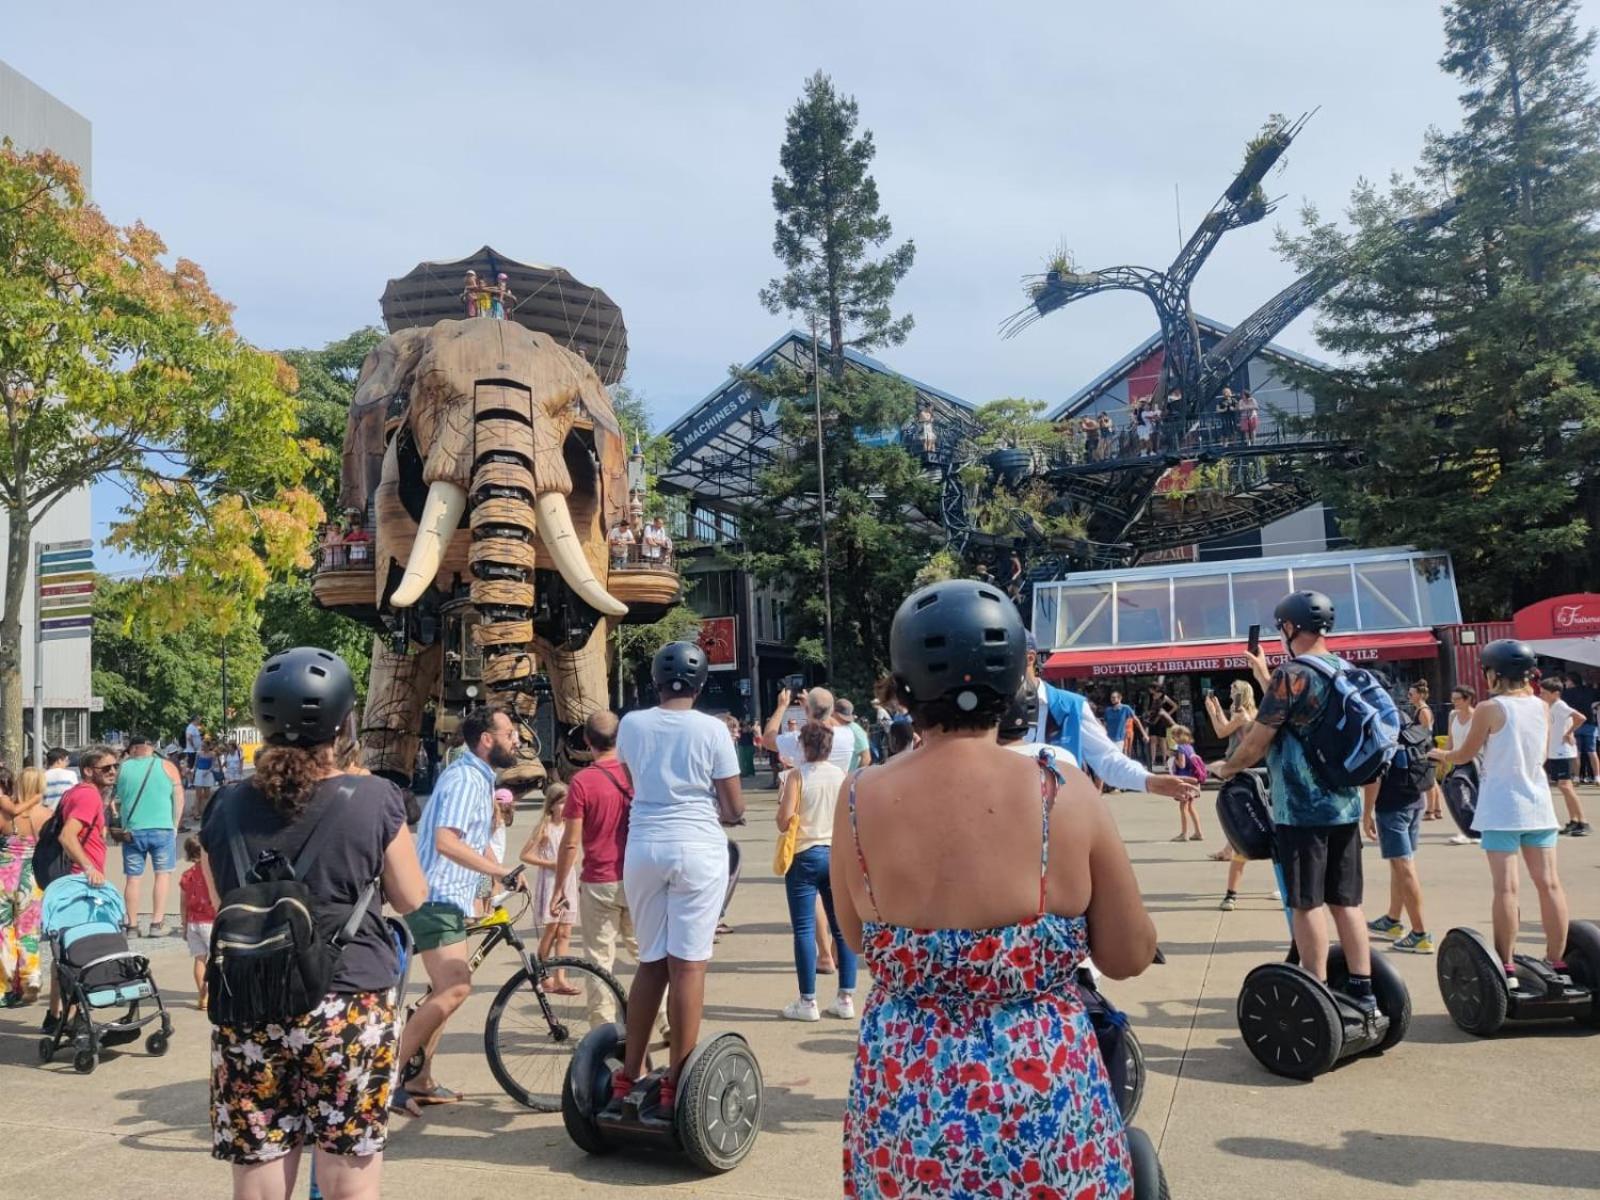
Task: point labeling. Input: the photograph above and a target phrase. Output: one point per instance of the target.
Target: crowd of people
(481, 299)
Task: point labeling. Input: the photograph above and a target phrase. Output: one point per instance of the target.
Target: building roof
(723, 442)
(1092, 390)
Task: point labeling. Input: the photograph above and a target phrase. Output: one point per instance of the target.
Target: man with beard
(454, 828)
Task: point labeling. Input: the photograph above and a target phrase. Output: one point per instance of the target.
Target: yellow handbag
(783, 852)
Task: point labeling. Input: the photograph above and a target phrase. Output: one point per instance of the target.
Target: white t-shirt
(191, 739)
(843, 750)
(1561, 714)
(56, 782)
(673, 756)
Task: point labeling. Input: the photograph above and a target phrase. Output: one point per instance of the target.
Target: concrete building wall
(35, 120)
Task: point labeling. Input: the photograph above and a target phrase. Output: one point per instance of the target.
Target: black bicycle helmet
(679, 668)
(1509, 659)
(1308, 611)
(959, 640)
(302, 697)
(1022, 717)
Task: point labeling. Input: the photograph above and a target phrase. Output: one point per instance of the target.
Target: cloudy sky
(305, 153)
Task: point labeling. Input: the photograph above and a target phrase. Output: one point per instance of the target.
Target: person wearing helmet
(685, 773)
(1318, 834)
(270, 1096)
(1067, 721)
(965, 941)
(1515, 812)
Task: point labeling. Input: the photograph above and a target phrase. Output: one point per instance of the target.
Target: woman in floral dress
(978, 1073)
(21, 815)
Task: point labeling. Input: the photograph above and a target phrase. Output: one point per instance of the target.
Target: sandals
(404, 1100)
(565, 989)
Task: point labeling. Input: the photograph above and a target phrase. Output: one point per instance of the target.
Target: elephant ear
(596, 402)
(612, 451)
(385, 373)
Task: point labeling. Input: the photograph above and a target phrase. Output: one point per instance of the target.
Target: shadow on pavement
(1411, 1161)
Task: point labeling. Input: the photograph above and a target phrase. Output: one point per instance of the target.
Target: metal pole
(38, 655)
(822, 506)
(224, 687)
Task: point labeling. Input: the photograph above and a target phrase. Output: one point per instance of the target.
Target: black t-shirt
(1581, 698)
(353, 832)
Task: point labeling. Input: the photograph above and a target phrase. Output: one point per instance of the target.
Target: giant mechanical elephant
(493, 464)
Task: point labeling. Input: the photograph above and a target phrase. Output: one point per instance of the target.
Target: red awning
(1565, 627)
(1228, 656)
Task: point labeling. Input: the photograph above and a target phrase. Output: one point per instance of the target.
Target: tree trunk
(19, 535)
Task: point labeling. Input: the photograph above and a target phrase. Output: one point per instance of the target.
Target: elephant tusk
(561, 540)
(440, 516)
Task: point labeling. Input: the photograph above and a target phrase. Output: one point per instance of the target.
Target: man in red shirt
(83, 834)
(596, 815)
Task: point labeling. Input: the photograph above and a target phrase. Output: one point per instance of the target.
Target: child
(196, 912)
(540, 851)
(1186, 764)
(505, 810)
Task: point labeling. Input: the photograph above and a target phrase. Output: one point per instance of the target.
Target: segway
(1124, 1063)
(1478, 995)
(715, 1119)
(1295, 1024)
(1460, 788)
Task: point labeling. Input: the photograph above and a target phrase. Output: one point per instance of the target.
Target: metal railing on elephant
(635, 557)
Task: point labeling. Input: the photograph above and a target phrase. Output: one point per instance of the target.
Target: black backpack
(275, 946)
(50, 861)
(1410, 776)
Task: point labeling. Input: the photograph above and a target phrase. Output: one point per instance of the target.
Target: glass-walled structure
(1372, 590)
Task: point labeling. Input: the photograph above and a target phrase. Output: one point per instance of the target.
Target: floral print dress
(978, 1073)
(19, 919)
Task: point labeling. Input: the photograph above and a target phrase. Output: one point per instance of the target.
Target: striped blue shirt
(462, 800)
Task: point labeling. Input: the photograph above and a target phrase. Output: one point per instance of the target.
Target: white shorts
(198, 935)
(675, 894)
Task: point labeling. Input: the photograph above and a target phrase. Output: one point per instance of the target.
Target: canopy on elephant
(548, 300)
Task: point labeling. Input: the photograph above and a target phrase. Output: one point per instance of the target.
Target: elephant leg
(397, 688)
(578, 688)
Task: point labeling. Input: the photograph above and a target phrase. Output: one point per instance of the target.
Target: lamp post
(822, 505)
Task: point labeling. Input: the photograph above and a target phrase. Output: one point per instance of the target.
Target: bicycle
(530, 1032)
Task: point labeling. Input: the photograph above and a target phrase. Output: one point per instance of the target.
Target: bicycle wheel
(530, 1033)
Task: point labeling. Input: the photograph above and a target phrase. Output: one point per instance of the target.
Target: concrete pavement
(1442, 1115)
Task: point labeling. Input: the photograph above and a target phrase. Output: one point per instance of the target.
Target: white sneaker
(1277, 895)
(1458, 839)
(843, 1007)
(802, 1010)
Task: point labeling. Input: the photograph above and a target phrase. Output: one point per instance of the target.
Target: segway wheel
(1149, 1180)
(47, 1049)
(1472, 982)
(1289, 1021)
(1130, 1085)
(1390, 991)
(719, 1104)
(587, 1087)
(1583, 964)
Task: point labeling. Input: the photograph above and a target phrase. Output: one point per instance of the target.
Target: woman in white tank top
(1515, 814)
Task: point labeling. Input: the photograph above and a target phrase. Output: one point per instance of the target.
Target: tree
(114, 365)
(1474, 350)
(828, 221)
(327, 379)
(152, 682)
(881, 522)
(637, 644)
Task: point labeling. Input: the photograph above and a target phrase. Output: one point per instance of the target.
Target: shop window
(1387, 598)
(1436, 583)
(1083, 615)
(1335, 583)
(1144, 612)
(1200, 607)
(1255, 595)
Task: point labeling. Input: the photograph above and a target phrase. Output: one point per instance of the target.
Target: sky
(304, 154)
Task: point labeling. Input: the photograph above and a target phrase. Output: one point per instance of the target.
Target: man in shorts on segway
(1317, 829)
(675, 867)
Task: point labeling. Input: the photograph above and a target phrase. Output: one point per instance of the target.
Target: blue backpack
(1357, 734)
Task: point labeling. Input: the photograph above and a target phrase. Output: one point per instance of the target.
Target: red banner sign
(719, 638)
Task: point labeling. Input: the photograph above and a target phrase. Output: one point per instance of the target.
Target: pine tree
(1473, 400)
(828, 223)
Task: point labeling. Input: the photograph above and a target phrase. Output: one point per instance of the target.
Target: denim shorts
(1585, 737)
(1509, 841)
(1399, 831)
(159, 845)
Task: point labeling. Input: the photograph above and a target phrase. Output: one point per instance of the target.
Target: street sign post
(63, 581)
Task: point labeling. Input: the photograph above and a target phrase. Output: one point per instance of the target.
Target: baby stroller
(95, 970)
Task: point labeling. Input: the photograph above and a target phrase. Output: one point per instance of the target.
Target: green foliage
(289, 618)
(942, 566)
(828, 223)
(994, 510)
(114, 365)
(153, 681)
(327, 386)
(1012, 423)
(878, 534)
(633, 414)
(1474, 389)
